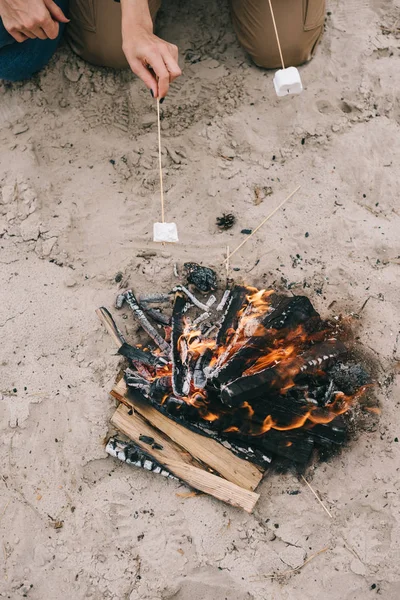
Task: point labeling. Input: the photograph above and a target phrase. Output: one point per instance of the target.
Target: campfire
(259, 374)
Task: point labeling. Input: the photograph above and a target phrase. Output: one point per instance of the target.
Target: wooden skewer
(276, 34)
(160, 162)
(262, 223)
(317, 497)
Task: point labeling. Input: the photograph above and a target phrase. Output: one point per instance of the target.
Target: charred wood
(133, 304)
(142, 356)
(179, 368)
(274, 378)
(133, 455)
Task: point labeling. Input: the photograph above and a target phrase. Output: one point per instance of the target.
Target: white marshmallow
(165, 232)
(288, 81)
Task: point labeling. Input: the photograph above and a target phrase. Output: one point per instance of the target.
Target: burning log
(276, 378)
(289, 313)
(179, 368)
(230, 318)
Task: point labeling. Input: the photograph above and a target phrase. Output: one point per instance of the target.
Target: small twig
(317, 497)
(261, 224)
(4, 510)
(227, 265)
(297, 569)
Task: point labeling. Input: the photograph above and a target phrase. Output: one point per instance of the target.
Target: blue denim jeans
(19, 61)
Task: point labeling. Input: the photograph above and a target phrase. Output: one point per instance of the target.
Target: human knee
(295, 53)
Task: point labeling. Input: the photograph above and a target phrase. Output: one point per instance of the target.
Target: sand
(79, 194)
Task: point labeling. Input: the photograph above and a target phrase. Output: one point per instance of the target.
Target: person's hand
(25, 19)
(152, 59)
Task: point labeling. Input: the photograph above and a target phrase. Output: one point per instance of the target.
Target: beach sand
(79, 195)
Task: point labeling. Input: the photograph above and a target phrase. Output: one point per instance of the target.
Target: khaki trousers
(95, 30)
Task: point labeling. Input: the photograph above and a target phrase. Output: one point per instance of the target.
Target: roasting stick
(276, 34)
(261, 224)
(286, 80)
(163, 232)
(317, 497)
(160, 162)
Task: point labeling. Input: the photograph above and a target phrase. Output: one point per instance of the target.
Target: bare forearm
(137, 12)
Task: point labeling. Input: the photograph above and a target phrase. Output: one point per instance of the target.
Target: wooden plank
(180, 463)
(134, 426)
(206, 450)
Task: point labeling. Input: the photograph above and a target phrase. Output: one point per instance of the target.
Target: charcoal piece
(136, 354)
(179, 368)
(321, 355)
(156, 446)
(160, 387)
(155, 299)
(348, 378)
(203, 278)
(146, 439)
(135, 381)
(231, 317)
(226, 221)
(292, 312)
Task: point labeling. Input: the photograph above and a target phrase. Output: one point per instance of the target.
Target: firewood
(129, 453)
(206, 450)
(180, 463)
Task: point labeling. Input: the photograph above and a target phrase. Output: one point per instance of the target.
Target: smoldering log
(273, 378)
(179, 369)
(289, 313)
(230, 318)
(185, 414)
(133, 455)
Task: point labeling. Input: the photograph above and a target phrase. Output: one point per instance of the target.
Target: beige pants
(95, 30)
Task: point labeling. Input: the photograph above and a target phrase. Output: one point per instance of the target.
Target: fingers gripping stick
(163, 232)
(286, 80)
